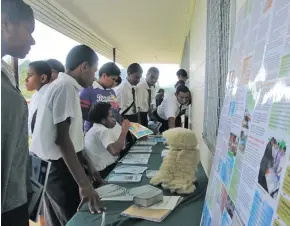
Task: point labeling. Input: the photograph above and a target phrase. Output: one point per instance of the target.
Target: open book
(139, 131)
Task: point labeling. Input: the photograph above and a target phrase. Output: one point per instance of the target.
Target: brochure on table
(250, 178)
(112, 192)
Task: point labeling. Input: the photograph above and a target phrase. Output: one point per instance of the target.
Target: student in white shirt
(170, 107)
(38, 78)
(106, 139)
(146, 94)
(58, 138)
(127, 95)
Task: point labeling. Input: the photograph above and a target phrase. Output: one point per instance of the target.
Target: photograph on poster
(246, 120)
(230, 207)
(233, 145)
(232, 108)
(272, 164)
(243, 140)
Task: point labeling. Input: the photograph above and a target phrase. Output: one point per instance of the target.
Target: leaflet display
(250, 178)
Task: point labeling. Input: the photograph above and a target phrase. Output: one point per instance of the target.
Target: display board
(250, 177)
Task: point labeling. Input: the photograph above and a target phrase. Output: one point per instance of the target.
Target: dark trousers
(16, 217)
(164, 123)
(144, 118)
(61, 198)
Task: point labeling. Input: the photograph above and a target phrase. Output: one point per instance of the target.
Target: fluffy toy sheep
(177, 172)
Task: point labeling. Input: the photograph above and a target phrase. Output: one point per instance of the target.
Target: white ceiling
(143, 31)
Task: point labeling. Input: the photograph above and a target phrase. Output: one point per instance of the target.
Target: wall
(197, 77)
(197, 58)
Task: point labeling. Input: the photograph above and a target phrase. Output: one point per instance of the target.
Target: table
(188, 213)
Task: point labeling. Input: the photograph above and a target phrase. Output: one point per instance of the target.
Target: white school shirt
(143, 95)
(169, 107)
(59, 102)
(33, 105)
(97, 139)
(125, 97)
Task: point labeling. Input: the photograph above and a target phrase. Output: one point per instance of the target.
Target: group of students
(76, 122)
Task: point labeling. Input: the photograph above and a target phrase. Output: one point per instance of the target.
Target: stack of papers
(130, 169)
(135, 159)
(157, 212)
(124, 178)
(140, 149)
(164, 153)
(112, 192)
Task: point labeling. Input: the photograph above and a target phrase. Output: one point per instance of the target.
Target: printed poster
(249, 183)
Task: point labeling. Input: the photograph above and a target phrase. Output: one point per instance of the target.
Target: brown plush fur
(177, 172)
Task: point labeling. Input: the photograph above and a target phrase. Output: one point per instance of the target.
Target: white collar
(130, 85)
(97, 85)
(62, 75)
(43, 88)
(99, 125)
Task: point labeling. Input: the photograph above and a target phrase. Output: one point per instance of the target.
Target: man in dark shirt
(17, 25)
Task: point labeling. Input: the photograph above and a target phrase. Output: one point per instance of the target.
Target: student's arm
(85, 98)
(63, 107)
(116, 147)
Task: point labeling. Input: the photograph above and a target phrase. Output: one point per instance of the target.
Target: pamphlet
(139, 131)
(146, 143)
(112, 192)
(136, 159)
(130, 169)
(140, 149)
(151, 173)
(124, 178)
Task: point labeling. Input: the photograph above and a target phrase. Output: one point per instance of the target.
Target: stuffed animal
(177, 171)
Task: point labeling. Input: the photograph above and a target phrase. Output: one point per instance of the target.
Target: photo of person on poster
(271, 166)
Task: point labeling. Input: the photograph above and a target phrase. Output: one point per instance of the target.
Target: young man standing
(146, 94)
(127, 95)
(170, 108)
(58, 138)
(182, 75)
(101, 91)
(56, 67)
(38, 78)
(17, 25)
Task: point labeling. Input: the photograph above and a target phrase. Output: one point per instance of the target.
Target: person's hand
(126, 125)
(88, 194)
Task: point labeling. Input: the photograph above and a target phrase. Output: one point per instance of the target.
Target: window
(217, 53)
